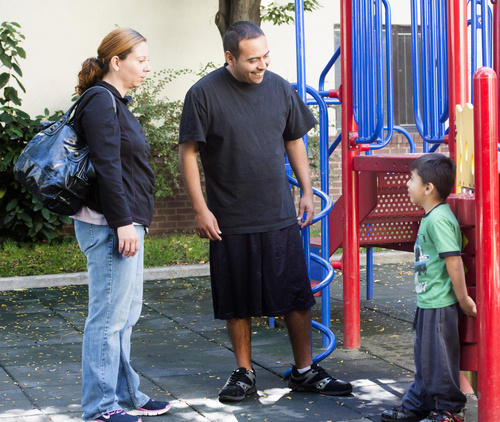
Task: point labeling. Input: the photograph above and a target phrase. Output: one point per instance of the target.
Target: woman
(110, 227)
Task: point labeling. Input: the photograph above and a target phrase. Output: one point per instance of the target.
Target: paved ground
(184, 355)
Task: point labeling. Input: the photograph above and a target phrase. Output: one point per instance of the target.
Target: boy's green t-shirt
(439, 236)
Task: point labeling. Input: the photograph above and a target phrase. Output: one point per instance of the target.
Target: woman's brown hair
(119, 42)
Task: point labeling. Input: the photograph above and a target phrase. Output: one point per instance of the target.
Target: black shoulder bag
(55, 165)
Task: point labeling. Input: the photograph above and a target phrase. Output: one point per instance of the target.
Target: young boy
(441, 298)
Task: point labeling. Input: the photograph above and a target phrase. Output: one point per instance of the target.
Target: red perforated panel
(395, 219)
(388, 232)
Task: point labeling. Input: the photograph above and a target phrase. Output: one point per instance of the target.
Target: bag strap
(98, 88)
(66, 116)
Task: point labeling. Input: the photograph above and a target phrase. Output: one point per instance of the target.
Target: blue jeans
(115, 303)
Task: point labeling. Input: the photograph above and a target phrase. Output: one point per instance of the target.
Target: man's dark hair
(242, 30)
(437, 169)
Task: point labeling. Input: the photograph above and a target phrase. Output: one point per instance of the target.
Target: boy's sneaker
(445, 416)
(240, 383)
(117, 416)
(399, 413)
(317, 380)
(152, 408)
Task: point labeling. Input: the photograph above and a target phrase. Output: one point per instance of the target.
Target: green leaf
(11, 42)
(6, 61)
(65, 219)
(6, 118)
(19, 83)
(21, 52)
(8, 218)
(25, 217)
(22, 115)
(12, 204)
(11, 95)
(49, 226)
(4, 78)
(14, 132)
(46, 213)
(17, 69)
(53, 218)
(49, 234)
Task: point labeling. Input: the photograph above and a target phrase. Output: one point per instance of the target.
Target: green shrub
(283, 14)
(21, 216)
(160, 118)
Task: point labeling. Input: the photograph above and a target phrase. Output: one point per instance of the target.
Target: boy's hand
(455, 268)
(468, 306)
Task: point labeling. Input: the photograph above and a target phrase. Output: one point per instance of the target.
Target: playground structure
(374, 209)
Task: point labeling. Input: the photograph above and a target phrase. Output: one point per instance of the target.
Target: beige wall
(60, 34)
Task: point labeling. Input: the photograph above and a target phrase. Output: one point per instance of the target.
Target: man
(242, 119)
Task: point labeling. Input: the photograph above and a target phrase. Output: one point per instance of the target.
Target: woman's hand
(128, 240)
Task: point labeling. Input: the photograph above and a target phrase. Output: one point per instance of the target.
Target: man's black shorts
(259, 274)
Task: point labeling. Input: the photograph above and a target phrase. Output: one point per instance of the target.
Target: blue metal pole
(302, 90)
(443, 66)
(429, 115)
(322, 77)
(369, 273)
(473, 42)
(416, 68)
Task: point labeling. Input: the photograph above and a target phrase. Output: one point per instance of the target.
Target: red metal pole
(488, 236)
(350, 196)
(496, 45)
(457, 65)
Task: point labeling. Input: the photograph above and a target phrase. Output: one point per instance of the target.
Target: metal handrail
(368, 71)
(476, 23)
(327, 203)
(434, 85)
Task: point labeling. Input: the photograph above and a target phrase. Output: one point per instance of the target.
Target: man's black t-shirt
(242, 129)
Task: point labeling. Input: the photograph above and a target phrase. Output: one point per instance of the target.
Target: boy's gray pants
(437, 360)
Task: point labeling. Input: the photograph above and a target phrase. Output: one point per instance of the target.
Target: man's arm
(205, 222)
(455, 268)
(297, 156)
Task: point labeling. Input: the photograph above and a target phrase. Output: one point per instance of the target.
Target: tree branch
(231, 11)
(222, 16)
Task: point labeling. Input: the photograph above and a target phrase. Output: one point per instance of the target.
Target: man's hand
(128, 240)
(306, 206)
(206, 226)
(297, 156)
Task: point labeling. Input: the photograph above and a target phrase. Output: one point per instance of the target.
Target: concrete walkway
(184, 355)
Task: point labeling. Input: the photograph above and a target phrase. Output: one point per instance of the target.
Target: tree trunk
(231, 11)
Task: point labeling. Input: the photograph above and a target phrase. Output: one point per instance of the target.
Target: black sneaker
(317, 380)
(117, 416)
(240, 383)
(151, 408)
(445, 416)
(399, 413)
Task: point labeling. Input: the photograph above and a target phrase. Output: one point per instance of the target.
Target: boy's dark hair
(242, 30)
(437, 169)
